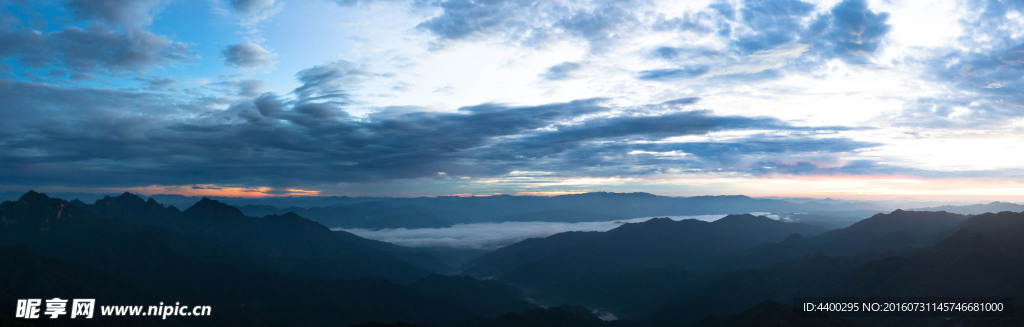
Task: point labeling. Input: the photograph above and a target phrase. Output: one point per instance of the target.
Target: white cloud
(493, 235)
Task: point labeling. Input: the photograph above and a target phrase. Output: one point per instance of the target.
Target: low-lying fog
(492, 235)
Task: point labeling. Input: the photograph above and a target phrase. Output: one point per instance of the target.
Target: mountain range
(283, 269)
(376, 213)
(252, 271)
(903, 253)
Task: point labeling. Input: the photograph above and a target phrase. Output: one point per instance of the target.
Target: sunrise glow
(273, 98)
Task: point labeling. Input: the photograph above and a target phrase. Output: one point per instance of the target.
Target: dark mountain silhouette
(182, 201)
(283, 269)
(373, 213)
(659, 242)
(512, 256)
(1001, 223)
(26, 273)
(36, 211)
(287, 240)
(830, 219)
(559, 316)
(203, 257)
(916, 228)
(903, 253)
(133, 209)
(369, 215)
(571, 316)
(733, 291)
(560, 215)
(983, 257)
(771, 313)
(29, 273)
(486, 298)
(629, 295)
(882, 234)
(976, 209)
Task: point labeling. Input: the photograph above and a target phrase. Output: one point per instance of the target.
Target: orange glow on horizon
(820, 186)
(221, 191)
(840, 186)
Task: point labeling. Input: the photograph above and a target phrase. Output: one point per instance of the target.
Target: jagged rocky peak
(37, 210)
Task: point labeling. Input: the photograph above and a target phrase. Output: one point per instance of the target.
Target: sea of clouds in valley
(493, 235)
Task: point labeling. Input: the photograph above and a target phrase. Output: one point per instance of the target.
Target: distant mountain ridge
(976, 209)
(845, 261)
(283, 269)
(333, 253)
(443, 211)
(253, 271)
(658, 242)
(981, 256)
(375, 213)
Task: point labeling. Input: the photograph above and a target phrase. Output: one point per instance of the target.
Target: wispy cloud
(453, 96)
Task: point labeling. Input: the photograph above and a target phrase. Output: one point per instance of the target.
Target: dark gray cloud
(206, 187)
(750, 152)
(561, 71)
(247, 55)
(658, 126)
(158, 83)
(681, 101)
(98, 48)
(608, 143)
(250, 88)
(129, 13)
(318, 102)
(329, 82)
(268, 105)
(251, 7)
(114, 138)
(110, 39)
(804, 154)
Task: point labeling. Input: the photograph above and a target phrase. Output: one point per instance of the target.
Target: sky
(851, 98)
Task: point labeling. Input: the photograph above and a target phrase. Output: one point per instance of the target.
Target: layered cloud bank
(494, 235)
(467, 97)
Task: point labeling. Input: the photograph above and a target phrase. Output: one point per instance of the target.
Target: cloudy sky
(443, 97)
